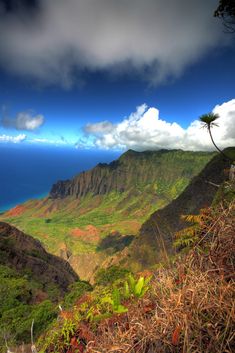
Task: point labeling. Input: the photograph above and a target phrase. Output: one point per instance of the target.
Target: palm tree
(209, 121)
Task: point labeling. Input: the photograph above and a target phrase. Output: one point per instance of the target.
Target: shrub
(77, 289)
(110, 275)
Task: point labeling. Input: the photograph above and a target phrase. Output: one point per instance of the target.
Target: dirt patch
(124, 227)
(16, 211)
(90, 234)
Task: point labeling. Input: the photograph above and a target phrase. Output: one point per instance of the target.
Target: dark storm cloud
(18, 5)
(156, 38)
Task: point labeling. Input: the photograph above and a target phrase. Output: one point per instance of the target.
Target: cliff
(134, 169)
(27, 256)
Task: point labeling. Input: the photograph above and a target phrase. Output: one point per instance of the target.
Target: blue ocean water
(28, 172)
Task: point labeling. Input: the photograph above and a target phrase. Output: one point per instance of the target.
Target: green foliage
(209, 119)
(101, 303)
(17, 321)
(17, 310)
(168, 173)
(225, 193)
(137, 288)
(68, 331)
(186, 237)
(115, 301)
(76, 290)
(110, 275)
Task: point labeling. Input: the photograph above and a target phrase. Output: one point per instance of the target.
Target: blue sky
(87, 96)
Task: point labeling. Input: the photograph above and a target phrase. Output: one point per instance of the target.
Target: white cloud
(156, 38)
(13, 139)
(55, 142)
(145, 130)
(23, 121)
(99, 128)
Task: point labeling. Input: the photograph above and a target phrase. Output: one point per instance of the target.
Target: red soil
(16, 211)
(90, 234)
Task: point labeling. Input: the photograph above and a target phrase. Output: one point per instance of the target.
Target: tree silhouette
(209, 121)
(226, 11)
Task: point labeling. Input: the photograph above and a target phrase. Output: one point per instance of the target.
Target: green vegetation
(19, 306)
(108, 276)
(62, 223)
(137, 288)
(76, 290)
(104, 302)
(187, 306)
(184, 306)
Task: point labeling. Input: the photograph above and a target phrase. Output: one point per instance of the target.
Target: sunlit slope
(115, 197)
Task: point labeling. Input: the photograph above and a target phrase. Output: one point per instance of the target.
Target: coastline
(11, 205)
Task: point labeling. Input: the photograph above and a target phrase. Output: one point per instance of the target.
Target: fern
(188, 236)
(137, 288)
(115, 301)
(192, 218)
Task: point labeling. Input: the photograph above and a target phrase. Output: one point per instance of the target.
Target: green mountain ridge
(156, 236)
(134, 170)
(110, 199)
(27, 270)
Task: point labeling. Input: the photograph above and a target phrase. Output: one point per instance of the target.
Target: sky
(115, 74)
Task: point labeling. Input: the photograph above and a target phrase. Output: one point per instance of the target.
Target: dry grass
(190, 307)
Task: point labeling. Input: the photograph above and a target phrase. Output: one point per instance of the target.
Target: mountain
(109, 201)
(154, 242)
(25, 254)
(32, 282)
(168, 170)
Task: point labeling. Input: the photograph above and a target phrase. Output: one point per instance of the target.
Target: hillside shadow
(115, 242)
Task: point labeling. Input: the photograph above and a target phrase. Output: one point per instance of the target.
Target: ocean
(28, 172)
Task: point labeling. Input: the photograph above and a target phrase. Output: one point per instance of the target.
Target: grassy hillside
(186, 306)
(71, 225)
(154, 241)
(32, 282)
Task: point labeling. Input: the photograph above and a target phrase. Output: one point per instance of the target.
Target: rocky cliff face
(133, 169)
(154, 242)
(26, 254)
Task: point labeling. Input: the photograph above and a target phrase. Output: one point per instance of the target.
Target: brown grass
(190, 307)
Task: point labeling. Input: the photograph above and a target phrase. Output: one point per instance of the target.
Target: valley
(115, 238)
(110, 201)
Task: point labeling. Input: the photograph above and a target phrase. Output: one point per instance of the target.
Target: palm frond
(209, 119)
